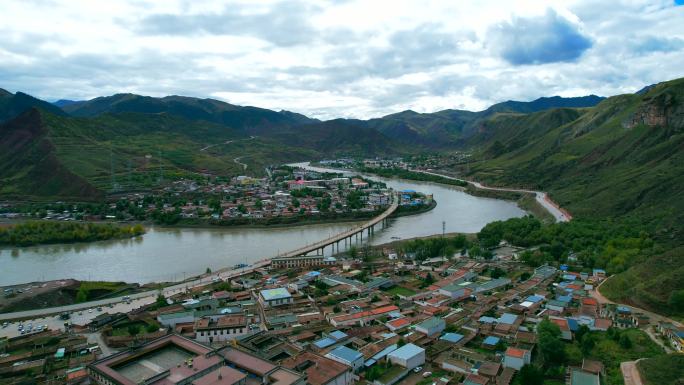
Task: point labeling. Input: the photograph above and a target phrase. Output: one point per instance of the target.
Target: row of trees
(605, 244)
(46, 232)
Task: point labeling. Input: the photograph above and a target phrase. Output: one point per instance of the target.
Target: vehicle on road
(90, 310)
(427, 374)
(5, 324)
(99, 309)
(417, 369)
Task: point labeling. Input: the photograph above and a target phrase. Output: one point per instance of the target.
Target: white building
(516, 358)
(347, 356)
(431, 326)
(224, 328)
(409, 356)
(275, 297)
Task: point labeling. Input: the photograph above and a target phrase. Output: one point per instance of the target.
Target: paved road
(139, 298)
(541, 197)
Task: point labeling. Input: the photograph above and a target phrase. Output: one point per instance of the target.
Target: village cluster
(336, 321)
(286, 193)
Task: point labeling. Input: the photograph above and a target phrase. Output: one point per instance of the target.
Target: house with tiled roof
(320, 370)
(516, 358)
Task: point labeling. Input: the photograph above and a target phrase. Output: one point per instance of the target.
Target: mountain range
(126, 141)
(618, 159)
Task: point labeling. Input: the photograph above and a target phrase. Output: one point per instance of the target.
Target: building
(320, 370)
(409, 356)
(221, 329)
(302, 261)
(363, 317)
(173, 359)
(349, 357)
(397, 324)
(516, 358)
(431, 326)
(580, 377)
(275, 297)
(171, 319)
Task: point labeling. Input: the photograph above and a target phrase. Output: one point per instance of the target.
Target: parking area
(81, 317)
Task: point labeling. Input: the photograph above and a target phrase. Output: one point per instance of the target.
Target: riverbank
(526, 200)
(34, 233)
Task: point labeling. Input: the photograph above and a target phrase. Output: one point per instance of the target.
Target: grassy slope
(662, 370)
(610, 161)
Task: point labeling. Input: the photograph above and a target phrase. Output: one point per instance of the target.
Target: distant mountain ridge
(252, 119)
(13, 105)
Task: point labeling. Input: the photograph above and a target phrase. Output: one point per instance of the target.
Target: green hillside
(622, 160)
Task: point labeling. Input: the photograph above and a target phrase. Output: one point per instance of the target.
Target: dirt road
(630, 373)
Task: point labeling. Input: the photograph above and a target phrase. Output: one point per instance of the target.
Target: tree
(337, 309)
(133, 329)
(208, 271)
(587, 344)
(500, 346)
(151, 328)
(82, 294)
(581, 332)
(429, 279)
(676, 300)
(625, 341)
(161, 300)
(551, 347)
(401, 342)
(530, 375)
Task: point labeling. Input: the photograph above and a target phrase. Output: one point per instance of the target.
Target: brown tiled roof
(320, 371)
(222, 376)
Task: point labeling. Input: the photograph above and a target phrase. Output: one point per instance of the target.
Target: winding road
(541, 197)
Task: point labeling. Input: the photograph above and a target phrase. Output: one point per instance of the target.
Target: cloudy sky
(340, 59)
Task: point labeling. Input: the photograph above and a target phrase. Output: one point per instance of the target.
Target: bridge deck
(341, 236)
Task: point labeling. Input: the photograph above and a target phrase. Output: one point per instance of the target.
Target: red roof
(399, 322)
(515, 352)
(589, 301)
(368, 313)
(562, 323)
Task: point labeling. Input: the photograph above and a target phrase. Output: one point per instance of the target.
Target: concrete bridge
(335, 240)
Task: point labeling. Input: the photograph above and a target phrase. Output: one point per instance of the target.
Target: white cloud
(348, 59)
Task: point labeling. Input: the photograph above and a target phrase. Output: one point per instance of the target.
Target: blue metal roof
(338, 335)
(273, 294)
(324, 343)
(573, 325)
(407, 351)
(451, 337)
(487, 320)
(381, 354)
(346, 354)
(564, 298)
(507, 318)
(534, 298)
(491, 340)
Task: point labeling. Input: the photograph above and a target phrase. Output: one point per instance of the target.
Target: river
(170, 254)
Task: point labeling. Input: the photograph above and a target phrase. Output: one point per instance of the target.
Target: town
(290, 195)
(382, 315)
